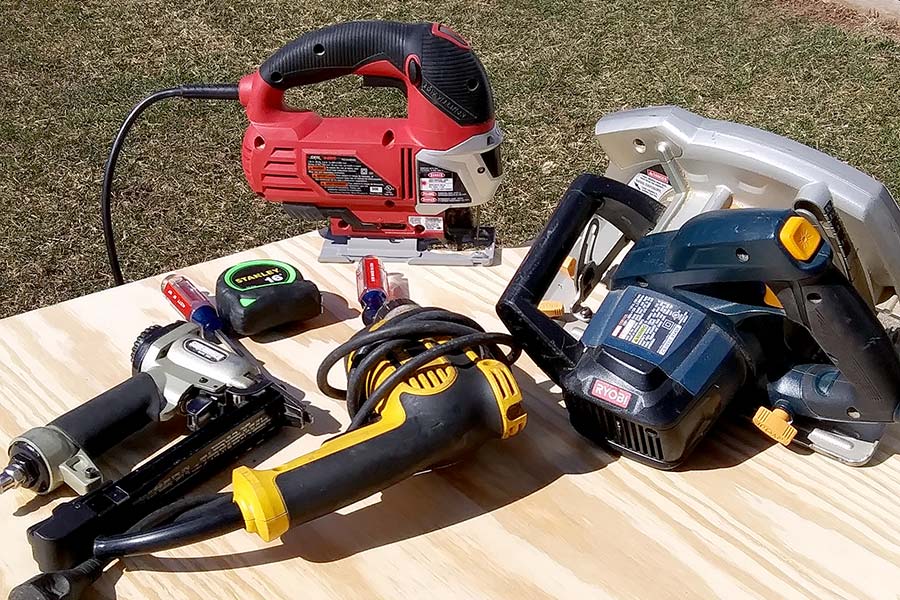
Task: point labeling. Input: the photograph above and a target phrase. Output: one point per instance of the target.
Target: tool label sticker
(651, 323)
(259, 273)
(653, 181)
(607, 392)
(436, 184)
(440, 186)
(205, 351)
(346, 175)
(428, 223)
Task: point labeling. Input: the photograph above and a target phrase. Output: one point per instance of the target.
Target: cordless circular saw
(742, 306)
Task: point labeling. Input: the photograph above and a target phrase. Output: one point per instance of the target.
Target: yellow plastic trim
(771, 299)
(800, 238)
(508, 395)
(255, 491)
(260, 502)
(776, 424)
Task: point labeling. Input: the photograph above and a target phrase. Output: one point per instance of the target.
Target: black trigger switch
(415, 72)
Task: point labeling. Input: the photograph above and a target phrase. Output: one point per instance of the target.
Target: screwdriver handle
(188, 300)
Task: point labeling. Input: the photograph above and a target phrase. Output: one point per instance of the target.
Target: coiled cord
(404, 331)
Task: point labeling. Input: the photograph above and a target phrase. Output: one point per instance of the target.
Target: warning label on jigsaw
(427, 223)
(440, 186)
(346, 175)
(651, 323)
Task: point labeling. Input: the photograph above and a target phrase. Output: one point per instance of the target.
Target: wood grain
(545, 514)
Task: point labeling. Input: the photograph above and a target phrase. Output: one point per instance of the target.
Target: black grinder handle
(104, 421)
(634, 213)
(444, 68)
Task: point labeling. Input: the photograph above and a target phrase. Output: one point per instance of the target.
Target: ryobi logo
(610, 393)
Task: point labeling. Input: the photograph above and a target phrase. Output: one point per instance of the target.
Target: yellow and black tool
(411, 413)
(425, 387)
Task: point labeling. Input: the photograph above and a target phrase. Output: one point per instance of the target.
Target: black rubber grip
(438, 429)
(847, 329)
(106, 420)
(551, 347)
(447, 73)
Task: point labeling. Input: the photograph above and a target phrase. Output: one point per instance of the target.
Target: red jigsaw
(389, 186)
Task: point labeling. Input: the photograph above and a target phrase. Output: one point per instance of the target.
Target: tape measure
(258, 295)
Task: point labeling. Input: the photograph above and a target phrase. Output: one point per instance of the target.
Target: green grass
(70, 71)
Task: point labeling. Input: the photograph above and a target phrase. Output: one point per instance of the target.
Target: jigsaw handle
(634, 213)
(428, 57)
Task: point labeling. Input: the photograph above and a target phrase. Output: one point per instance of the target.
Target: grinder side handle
(429, 57)
(634, 213)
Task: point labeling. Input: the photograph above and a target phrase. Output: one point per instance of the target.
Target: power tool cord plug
(70, 583)
(409, 328)
(215, 91)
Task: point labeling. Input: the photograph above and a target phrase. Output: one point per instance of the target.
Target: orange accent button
(800, 238)
(570, 266)
(552, 308)
(776, 424)
(771, 299)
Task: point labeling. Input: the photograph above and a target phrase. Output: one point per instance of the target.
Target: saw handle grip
(634, 213)
(428, 56)
(104, 421)
(847, 330)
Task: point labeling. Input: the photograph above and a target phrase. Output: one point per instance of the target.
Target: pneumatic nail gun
(229, 406)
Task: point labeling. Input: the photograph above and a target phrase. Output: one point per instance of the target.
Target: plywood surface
(545, 514)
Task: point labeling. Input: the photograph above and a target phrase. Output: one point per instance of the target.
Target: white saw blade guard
(692, 164)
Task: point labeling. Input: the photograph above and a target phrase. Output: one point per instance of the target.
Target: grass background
(70, 72)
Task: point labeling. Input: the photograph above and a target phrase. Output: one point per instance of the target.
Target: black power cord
(406, 330)
(70, 583)
(214, 91)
